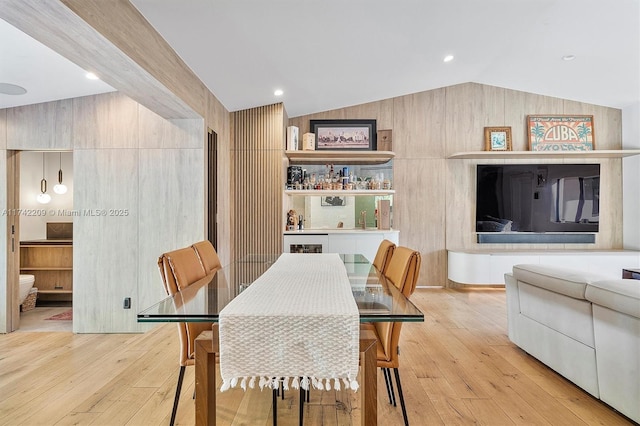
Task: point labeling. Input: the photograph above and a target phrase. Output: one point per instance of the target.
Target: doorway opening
(212, 188)
(44, 240)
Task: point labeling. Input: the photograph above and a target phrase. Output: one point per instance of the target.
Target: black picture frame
(351, 135)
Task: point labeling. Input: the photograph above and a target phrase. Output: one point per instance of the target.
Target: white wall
(33, 224)
(631, 178)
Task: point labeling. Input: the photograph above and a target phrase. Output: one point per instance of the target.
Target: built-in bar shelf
(55, 291)
(325, 192)
(45, 268)
(51, 264)
(495, 155)
(339, 157)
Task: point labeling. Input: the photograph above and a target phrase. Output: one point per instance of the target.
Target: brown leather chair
(402, 271)
(179, 269)
(383, 255)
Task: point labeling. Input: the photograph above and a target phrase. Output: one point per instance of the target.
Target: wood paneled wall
(257, 180)
(146, 173)
(434, 205)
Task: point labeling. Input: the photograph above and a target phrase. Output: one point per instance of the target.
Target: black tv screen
(537, 197)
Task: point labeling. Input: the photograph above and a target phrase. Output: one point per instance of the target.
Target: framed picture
(497, 138)
(560, 132)
(332, 201)
(344, 134)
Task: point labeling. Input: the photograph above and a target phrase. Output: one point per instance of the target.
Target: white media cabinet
(487, 267)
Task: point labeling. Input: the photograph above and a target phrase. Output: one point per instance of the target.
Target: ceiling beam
(55, 25)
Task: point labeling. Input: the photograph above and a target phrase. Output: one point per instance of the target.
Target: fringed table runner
(297, 323)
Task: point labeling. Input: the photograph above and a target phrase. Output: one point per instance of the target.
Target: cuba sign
(560, 132)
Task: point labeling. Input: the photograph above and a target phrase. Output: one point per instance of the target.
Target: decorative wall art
(332, 201)
(497, 138)
(344, 134)
(561, 132)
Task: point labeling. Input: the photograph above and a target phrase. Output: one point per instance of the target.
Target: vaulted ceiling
(334, 53)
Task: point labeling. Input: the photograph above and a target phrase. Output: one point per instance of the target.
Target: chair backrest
(208, 256)
(404, 269)
(180, 268)
(383, 255)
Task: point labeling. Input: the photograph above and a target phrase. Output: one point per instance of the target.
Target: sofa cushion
(621, 295)
(569, 282)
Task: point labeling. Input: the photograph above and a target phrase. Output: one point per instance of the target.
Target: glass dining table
(377, 299)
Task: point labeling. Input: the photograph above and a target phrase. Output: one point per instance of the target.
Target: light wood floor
(458, 367)
(35, 319)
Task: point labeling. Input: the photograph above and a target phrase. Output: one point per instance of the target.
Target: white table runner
(299, 319)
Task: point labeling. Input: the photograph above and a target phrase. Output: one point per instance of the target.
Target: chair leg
(274, 394)
(404, 410)
(177, 397)
(389, 383)
(301, 414)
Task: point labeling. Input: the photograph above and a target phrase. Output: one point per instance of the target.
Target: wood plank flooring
(457, 368)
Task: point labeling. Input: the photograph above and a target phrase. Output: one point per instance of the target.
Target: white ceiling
(328, 54)
(46, 75)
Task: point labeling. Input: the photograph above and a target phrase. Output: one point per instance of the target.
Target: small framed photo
(497, 138)
(344, 134)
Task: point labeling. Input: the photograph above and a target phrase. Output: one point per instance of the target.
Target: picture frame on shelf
(344, 134)
(333, 201)
(560, 132)
(497, 139)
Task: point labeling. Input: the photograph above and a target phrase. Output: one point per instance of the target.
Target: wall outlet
(127, 303)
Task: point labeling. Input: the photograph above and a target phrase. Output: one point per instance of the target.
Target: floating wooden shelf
(339, 157)
(325, 192)
(45, 268)
(55, 291)
(612, 153)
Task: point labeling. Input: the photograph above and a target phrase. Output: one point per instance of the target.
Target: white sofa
(583, 326)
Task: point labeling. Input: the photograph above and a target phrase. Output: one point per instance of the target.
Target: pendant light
(60, 188)
(43, 197)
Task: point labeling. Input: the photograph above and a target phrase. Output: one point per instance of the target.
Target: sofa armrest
(622, 295)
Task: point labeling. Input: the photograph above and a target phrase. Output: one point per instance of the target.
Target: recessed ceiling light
(568, 57)
(278, 92)
(12, 89)
(448, 58)
(92, 76)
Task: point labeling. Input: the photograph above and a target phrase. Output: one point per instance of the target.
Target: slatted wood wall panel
(257, 180)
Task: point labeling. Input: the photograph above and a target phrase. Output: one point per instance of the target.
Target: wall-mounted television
(539, 198)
